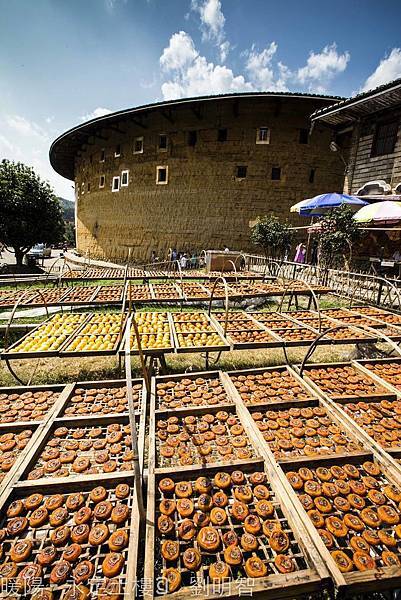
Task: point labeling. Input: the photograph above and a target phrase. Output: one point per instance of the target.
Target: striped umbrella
(386, 212)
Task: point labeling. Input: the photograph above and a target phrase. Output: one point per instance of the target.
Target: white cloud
(321, 67)
(98, 112)
(212, 23)
(261, 70)
(224, 49)
(388, 69)
(24, 141)
(179, 53)
(212, 19)
(204, 78)
(25, 127)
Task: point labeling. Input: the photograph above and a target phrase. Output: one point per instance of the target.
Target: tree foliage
(273, 236)
(29, 211)
(339, 233)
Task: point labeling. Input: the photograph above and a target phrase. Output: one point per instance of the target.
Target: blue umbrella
(324, 203)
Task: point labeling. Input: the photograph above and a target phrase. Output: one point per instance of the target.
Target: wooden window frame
(158, 169)
(113, 189)
(126, 171)
(384, 143)
(141, 139)
(258, 139)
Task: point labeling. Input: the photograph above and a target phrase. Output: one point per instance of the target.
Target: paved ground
(8, 258)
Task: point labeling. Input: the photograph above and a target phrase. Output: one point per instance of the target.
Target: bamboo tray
(379, 393)
(19, 355)
(225, 345)
(276, 377)
(40, 537)
(271, 340)
(21, 419)
(208, 383)
(65, 352)
(98, 404)
(311, 410)
(386, 382)
(354, 582)
(59, 419)
(150, 351)
(310, 574)
(196, 456)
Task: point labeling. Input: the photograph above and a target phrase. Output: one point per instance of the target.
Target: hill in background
(68, 207)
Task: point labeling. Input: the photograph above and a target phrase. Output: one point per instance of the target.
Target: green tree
(69, 233)
(272, 236)
(339, 233)
(29, 211)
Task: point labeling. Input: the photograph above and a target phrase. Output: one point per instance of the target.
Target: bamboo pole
(131, 411)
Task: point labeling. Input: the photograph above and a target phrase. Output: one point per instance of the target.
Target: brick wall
(203, 205)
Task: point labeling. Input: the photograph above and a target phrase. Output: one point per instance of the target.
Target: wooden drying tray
(20, 355)
(337, 402)
(259, 327)
(31, 388)
(197, 412)
(65, 353)
(174, 286)
(217, 375)
(128, 576)
(150, 351)
(351, 398)
(281, 369)
(309, 579)
(356, 582)
(37, 427)
(312, 401)
(190, 349)
(58, 418)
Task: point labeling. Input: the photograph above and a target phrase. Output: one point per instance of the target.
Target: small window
(138, 145)
(192, 138)
(102, 181)
(222, 135)
(241, 172)
(303, 136)
(83, 188)
(102, 155)
(117, 151)
(385, 138)
(161, 175)
(312, 175)
(116, 184)
(89, 187)
(124, 178)
(162, 141)
(276, 173)
(263, 135)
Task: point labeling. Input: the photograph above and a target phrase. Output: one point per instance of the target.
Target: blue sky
(64, 61)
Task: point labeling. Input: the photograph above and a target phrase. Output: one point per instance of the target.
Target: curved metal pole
(315, 299)
(233, 264)
(315, 342)
(220, 278)
(10, 320)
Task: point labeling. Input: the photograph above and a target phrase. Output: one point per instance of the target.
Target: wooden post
(131, 411)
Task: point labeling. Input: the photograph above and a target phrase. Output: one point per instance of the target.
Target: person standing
(183, 261)
(300, 253)
(314, 251)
